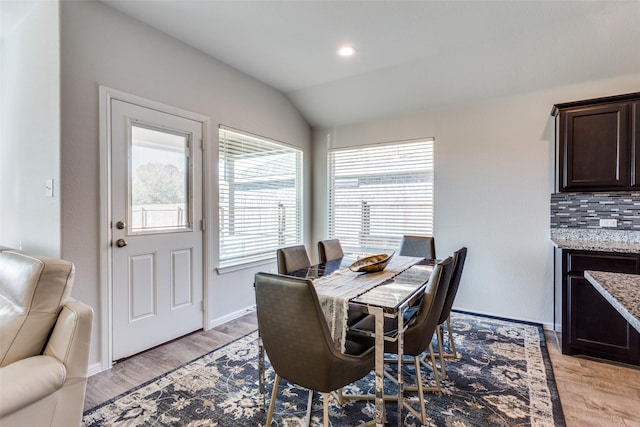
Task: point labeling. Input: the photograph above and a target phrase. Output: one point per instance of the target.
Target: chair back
(459, 257)
(419, 246)
(33, 290)
(295, 334)
(418, 336)
(329, 250)
(292, 258)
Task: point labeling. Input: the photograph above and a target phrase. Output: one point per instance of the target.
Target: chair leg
(325, 414)
(452, 343)
(453, 354)
(272, 401)
(423, 409)
(441, 353)
(309, 403)
(419, 388)
(433, 367)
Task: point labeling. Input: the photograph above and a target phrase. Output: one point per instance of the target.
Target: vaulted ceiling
(411, 55)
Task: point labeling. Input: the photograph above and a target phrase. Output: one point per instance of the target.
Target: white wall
(101, 46)
(30, 131)
(493, 177)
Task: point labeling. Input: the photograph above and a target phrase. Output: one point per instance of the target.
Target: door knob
(120, 225)
(121, 243)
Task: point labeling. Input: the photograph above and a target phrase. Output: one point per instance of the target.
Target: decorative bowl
(371, 264)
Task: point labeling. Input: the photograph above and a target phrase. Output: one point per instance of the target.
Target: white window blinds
(260, 201)
(379, 193)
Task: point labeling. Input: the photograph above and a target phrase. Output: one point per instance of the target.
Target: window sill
(243, 266)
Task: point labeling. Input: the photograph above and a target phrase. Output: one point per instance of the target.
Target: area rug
(502, 378)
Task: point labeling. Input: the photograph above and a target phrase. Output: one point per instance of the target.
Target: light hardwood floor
(145, 366)
(593, 393)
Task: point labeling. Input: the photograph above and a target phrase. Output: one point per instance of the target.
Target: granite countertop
(621, 290)
(605, 240)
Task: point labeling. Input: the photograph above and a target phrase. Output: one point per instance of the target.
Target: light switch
(48, 186)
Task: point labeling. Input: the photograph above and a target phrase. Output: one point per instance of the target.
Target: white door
(156, 211)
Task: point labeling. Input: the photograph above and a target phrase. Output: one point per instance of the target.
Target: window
(260, 198)
(160, 180)
(380, 192)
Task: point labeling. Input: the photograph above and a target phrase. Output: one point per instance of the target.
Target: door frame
(107, 94)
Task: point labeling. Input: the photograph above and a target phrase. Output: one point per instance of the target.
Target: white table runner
(335, 290)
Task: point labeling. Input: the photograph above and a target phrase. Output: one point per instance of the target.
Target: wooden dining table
(388, 293)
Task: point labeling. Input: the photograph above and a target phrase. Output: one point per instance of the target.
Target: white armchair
(44, 342)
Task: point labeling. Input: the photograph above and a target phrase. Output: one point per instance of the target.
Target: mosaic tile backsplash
(584, 210)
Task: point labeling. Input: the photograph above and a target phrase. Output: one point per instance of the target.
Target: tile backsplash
(585, 210)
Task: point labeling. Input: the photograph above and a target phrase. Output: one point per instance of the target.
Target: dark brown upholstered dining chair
(329, 250)
(459, 258)
(420, 330)
(292, 258)
(298, 343)
(420, 246)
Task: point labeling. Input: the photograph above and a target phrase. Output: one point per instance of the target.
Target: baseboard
(94, 368)
(231, 316)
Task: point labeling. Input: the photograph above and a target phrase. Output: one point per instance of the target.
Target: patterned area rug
(503, 378)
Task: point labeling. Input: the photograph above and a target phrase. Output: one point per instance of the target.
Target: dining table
(383, 294)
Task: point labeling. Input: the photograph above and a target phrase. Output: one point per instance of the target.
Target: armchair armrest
(71, 338)
(29, 380)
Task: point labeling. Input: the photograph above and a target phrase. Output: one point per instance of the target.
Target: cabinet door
(597, 329)
(595, 148)
(591, 325)
(635, 144)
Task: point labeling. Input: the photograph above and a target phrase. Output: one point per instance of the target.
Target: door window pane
(159, 180)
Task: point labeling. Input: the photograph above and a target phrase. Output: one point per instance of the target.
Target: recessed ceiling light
(347, 51)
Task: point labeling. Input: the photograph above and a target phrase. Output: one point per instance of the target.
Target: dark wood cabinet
(595, 147)
(590, 324)
(635, 145)
(597, 144)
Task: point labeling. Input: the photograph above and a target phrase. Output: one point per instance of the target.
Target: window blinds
(260, 197)
(379, 193)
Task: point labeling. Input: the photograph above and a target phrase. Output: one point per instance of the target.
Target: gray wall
(101, 46)
(30, 130)
(493, 159)
(494, 175)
